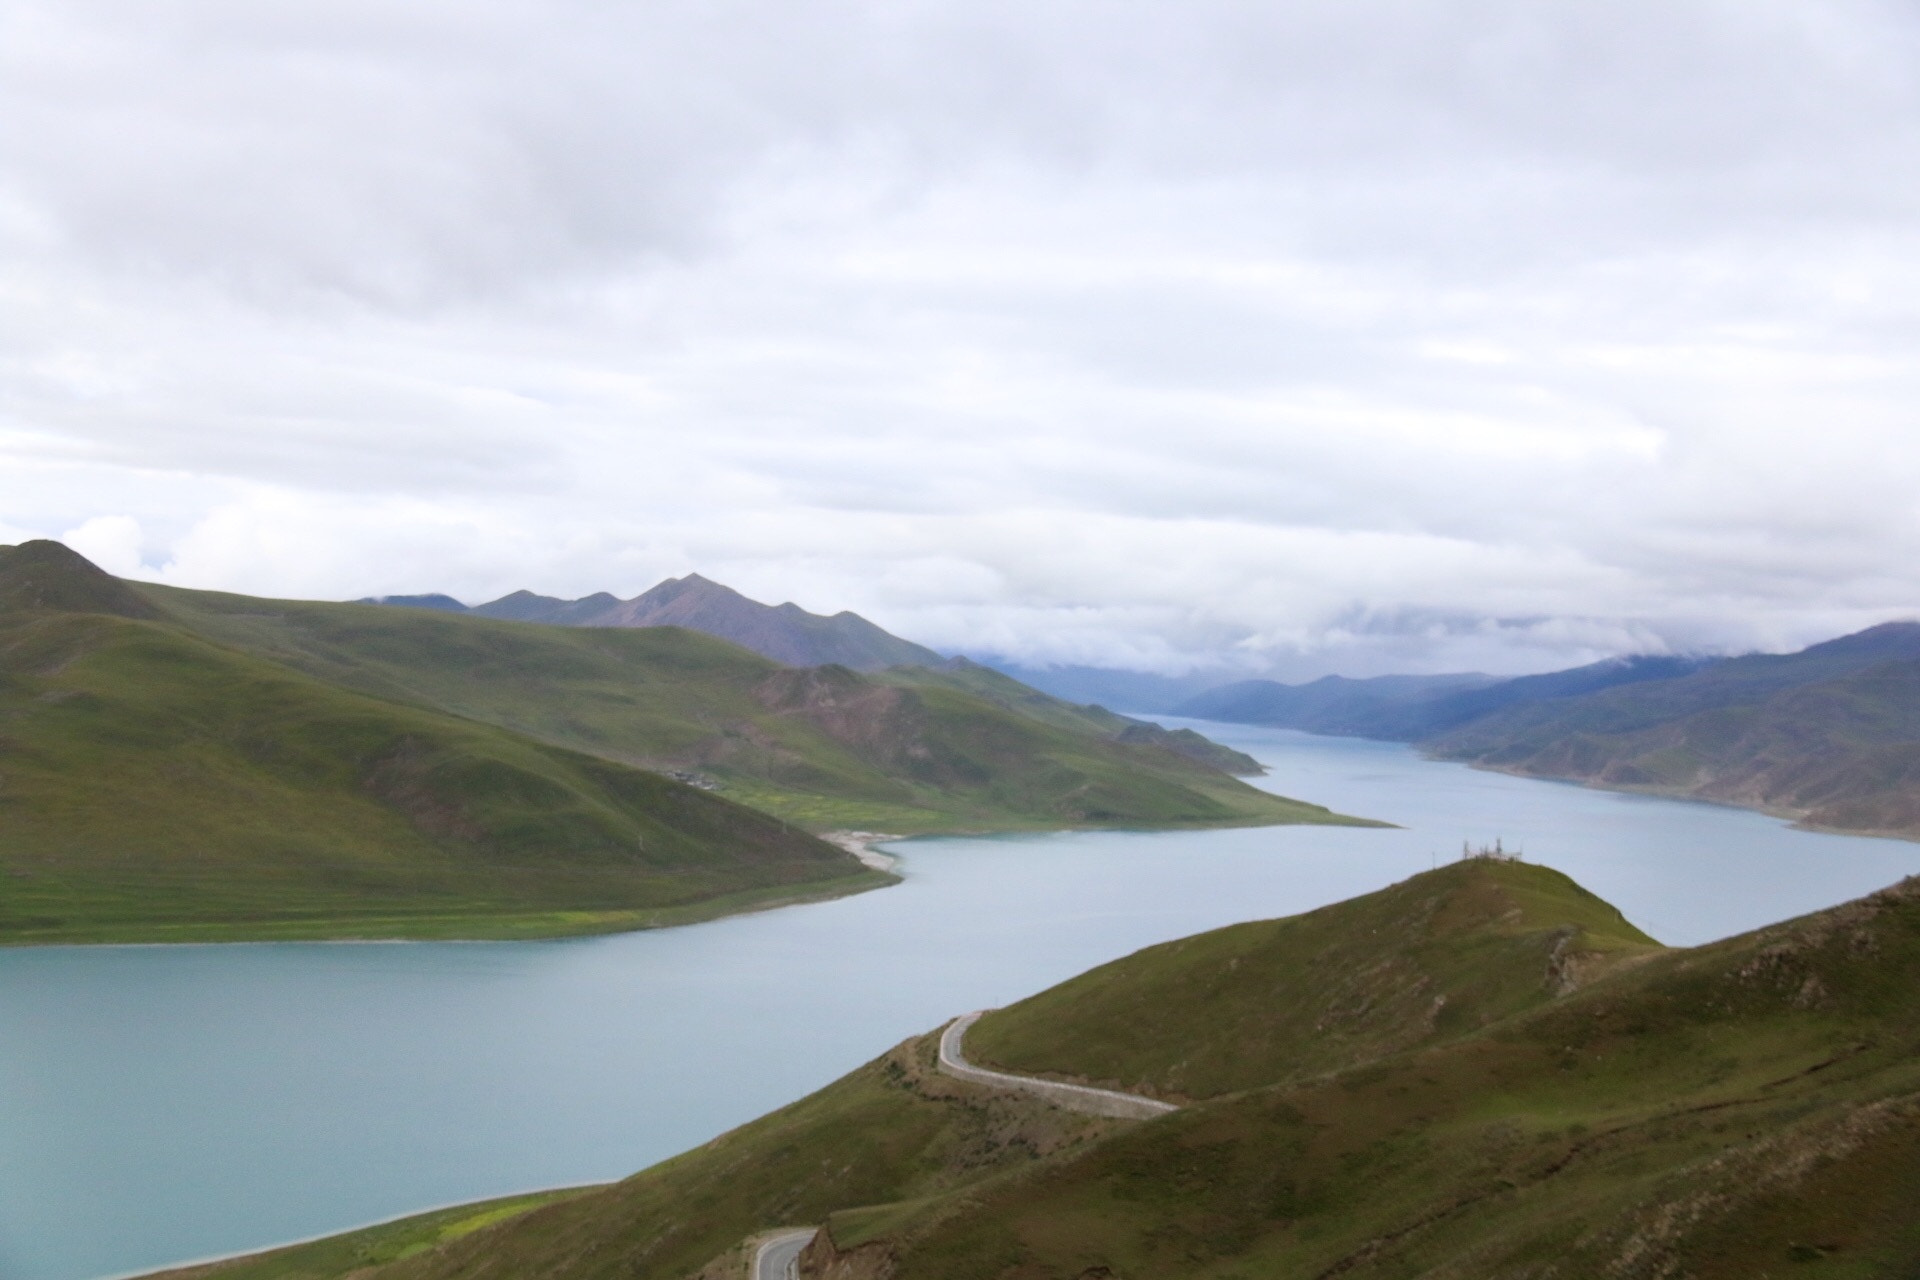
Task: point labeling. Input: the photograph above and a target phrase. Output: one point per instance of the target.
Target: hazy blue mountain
(786, 633)
(1377, 707)
(1829, 735)
(434, 600)
(1137, 691)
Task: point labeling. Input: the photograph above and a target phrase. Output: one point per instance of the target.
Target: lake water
(159, 1104)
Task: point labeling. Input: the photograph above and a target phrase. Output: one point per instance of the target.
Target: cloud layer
(1330, 336)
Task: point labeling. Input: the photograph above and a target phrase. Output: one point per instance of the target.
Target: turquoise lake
(161, 1104)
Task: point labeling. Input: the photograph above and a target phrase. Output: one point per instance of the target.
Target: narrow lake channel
(159, 1104)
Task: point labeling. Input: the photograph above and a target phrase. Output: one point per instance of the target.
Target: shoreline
(863, 845)
(1794, 818)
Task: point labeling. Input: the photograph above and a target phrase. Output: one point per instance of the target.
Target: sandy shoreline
(861, 845)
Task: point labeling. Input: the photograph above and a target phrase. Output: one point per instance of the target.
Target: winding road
(776, 1256)
(1070, 1097)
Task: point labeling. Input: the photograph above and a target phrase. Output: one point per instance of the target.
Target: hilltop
(785, 632)
(1482, 1071)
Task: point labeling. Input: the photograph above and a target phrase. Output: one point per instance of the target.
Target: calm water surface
(165, 1103)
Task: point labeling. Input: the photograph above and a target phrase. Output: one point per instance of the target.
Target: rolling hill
(156, 786)
(909, 750)
(1481, 1072)
(178, 764)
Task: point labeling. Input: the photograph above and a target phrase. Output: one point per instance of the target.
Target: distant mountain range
(1412, 708)
(786, 632)
(1829, 736)
(1137, 692)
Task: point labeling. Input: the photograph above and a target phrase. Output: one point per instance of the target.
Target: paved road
(1072, 1097)
(775, 1258)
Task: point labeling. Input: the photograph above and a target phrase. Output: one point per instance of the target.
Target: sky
(1351, 336)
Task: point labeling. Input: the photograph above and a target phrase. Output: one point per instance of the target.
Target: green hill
(155, 786)
(909, 750)
(1597, 1106)
(181, 764)
(1429, 959)
(1738, 1110)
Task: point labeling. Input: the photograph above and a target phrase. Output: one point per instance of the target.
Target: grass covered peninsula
(181, 766)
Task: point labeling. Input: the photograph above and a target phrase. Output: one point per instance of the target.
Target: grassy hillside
(371, 1246)
(1603, 1107)
(908, 751)
(1739, 1110)
(1430, 959)
(1830, 736)
(155, 786)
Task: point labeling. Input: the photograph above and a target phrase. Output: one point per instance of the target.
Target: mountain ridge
(1827, 736)
(907, 749)
(784, 632)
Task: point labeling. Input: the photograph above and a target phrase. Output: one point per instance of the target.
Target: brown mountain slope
(786, 633)
(1832, 740)
(907, 750)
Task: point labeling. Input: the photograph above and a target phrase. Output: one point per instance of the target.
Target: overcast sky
(1301, 336)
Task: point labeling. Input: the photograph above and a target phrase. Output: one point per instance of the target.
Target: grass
(1744, 1109)
(156, 787)
(373, 1246)
(365, 923)
(1252, 1004)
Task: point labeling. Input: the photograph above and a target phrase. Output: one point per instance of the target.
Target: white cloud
(112, 542)
(1326, 335)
